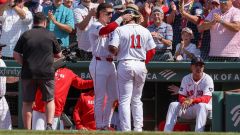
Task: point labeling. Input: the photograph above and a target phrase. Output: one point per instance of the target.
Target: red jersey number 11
(133, 44)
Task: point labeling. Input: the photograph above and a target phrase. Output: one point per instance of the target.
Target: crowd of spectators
(214, 25)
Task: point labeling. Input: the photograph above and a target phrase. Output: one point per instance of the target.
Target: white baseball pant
(104, 77)
(5, 117)
(198, 111)
(115, 122)
(39, 122)
(131, 78)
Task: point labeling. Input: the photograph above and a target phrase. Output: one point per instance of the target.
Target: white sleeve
(209, 86)
(94, 29)
(150, 43)
(114, 39)
(183, 87)
(77, 15)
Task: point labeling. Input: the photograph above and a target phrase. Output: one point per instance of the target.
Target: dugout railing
(155, 98)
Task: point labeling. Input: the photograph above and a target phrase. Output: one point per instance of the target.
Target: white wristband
(119, 20)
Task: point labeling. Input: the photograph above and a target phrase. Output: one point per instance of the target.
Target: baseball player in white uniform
(102, 67)
(195, 96)
(5, 117)
(130, 43)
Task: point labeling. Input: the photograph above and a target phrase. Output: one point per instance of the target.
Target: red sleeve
(79, 83)
(108, 29)
(76, 114)
(149, 55)
(202, 99)
(181, 98)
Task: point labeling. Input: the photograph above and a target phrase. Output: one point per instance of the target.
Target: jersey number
(133, 44)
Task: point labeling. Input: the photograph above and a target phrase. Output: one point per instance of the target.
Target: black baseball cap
(2, 45)
(197, 60)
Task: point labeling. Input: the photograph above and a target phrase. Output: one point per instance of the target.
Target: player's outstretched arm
(113, 25)
(79, 83)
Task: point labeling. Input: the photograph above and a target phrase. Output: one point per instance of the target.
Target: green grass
(68, 132)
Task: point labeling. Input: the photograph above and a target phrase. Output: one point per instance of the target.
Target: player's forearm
(110, 27)
(79, 83)
(112, 49)
(181, 98)
(149, 55)
(202, 99)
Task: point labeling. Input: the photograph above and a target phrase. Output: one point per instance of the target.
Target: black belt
(1, 97)
(134, 60)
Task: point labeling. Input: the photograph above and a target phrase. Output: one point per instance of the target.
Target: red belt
(107, 59)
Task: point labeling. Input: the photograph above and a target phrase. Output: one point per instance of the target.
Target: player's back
(134, 42)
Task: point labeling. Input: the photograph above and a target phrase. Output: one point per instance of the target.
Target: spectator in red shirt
(64, 78)
(83, 114)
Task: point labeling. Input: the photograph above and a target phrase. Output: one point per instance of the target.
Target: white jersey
(133, 41)
(191, 48)
(192, 89)
(99, 43)
(2, 80)
(82, 35)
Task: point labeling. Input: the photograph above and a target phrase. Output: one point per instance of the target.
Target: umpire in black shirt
(35, 51)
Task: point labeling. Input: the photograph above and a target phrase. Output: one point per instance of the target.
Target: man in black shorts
(35, 51)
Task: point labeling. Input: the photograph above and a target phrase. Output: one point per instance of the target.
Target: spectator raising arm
(19, 11)
(171, 16)
(82, 25)
(64, 27)
(206, 25)
(192, 18)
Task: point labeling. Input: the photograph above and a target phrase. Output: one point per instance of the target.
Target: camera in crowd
(71, 53)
